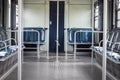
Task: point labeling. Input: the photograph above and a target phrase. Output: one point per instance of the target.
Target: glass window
(118, 23)
(16, 16)
(118, 13)
(96, 16)
(96, 24)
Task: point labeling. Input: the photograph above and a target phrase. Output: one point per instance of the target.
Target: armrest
(11, 39)
(102, 41)
(4, 45)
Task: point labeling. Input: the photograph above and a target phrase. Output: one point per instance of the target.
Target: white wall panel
(79, 15)
(34, 15)
(80, 1)
(34, 1)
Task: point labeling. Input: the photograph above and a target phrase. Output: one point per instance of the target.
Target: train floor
(70, 69)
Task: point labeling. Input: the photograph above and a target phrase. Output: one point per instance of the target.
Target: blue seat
(2, 54)
(112, 54)
(85, 36)
(116, 56)
(33, 36)
(5, 47)
(97, 48)
(71, 36)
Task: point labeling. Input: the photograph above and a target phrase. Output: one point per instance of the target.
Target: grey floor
(71, 69)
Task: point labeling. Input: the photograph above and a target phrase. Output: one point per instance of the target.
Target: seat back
(81, 37)
(114, 36)
(117, 46)
(71, 35)
(86, 35)
(33, 36)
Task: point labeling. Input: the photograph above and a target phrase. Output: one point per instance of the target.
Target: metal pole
(38, 46)
(9, 14)
(92, 30)
(66, 52)
(20, 40)
(66, 55)
(57, 31)
(46, 32)
(75, 44)
(104, 40)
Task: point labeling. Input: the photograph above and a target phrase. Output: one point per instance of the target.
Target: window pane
(119, 5)
(96, 24)
(96, 14)
(97, 7)
(96, 11)
(118, 15)
(16, 15)
(96, 18)
(118, 24)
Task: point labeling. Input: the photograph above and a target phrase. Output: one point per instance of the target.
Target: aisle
(64, 70)
(59, 71)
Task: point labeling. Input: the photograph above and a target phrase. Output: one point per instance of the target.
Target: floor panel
(71, 69)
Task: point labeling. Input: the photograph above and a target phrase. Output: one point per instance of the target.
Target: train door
(53, 26)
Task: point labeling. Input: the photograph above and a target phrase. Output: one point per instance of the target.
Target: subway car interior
(59, 39)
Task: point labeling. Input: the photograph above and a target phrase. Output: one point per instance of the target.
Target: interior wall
(77, 15)
(36, 14)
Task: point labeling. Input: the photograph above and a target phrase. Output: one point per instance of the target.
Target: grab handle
(57, 42)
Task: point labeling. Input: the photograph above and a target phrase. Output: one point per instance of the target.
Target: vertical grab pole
(38, 46)
(66, 52)
(57, 31)
(75, 43)
(66, 55)
(20, 40)
(104, 39)
(92, 30)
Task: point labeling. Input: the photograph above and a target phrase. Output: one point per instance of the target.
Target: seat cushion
(3, 53)
(97, 48)
(13, 48)
(116, 56)
(109, 53)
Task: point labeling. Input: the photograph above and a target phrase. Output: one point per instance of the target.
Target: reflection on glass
(118, 15)
(118, 23)
(16, 16)
(96, 17)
